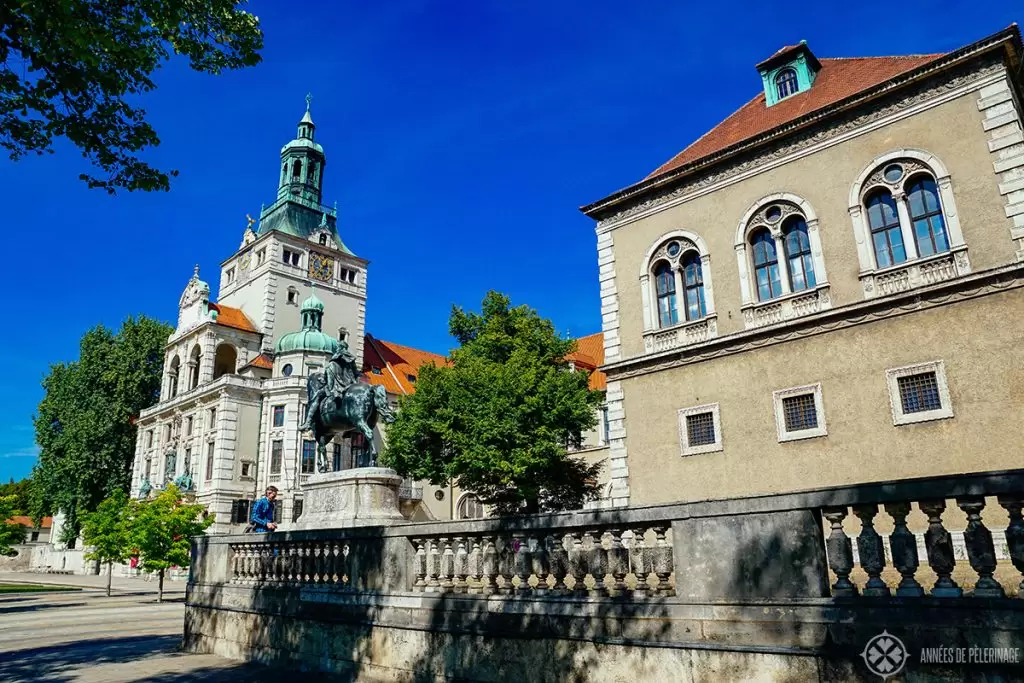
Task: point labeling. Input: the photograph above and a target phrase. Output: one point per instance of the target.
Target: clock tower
(294, 247)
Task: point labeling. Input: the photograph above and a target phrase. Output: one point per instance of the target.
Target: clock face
(321, 267)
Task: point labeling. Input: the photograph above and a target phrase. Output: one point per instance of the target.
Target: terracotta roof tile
(396, 363)
(590, 353)
(264, 361)
(27, 521)
(233, 317)
(837, 80)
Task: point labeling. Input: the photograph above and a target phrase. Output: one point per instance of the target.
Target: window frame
(311, 445)
(209, 471)
(684, 438)
(276, 451)
(684, 331)
(899, 418)
(275, 411)
(778, 404)
(784, 74)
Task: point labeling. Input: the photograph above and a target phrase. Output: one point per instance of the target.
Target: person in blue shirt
(262, 515)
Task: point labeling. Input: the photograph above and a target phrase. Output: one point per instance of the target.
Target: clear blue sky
(460, 138)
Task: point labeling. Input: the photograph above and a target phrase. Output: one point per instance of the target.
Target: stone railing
(681, 335)
(788, 307)
(919, 273)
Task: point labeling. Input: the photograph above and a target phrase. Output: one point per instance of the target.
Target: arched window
(884, 222)
(766, 265)
(312, 172)
(225, 360)
(470, 507)
(785, 83)
(665, 286)
(798, 254)
(172, 376)
(693, 286)
(296, 169)
(926, 216)
(194, 366)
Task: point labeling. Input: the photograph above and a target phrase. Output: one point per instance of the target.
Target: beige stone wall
(978, 339)
(952, 131)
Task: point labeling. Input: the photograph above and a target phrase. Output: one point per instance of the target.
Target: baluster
(618, 563)
(981, 551)
(419, 563)
(334, 567)
(597, 563)
(578, 563)
(640, 559)
(266, 562)
(461, 565)
(476, 565)
(345, 566)
(840, 553)
(540, 563)
(521, 562)
(871, 550)
(433, 566)
(1015, 534)
(273, 572)
(447, 564)
(939, 544)
(506, 566)
(903, 545)
(234, 562)
(559, 562)
(247, 563)
(318, 564)
(490, 566)
(662, 562)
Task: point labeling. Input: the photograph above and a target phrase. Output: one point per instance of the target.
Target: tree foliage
(162, 529)
(71, 68)
(85, 422)
(19, 491)
(106, 532)
(10, 534)
(496, 419)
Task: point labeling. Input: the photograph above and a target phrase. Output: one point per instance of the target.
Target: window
(289, 257)
(336, 457)
(240, 511)
(665, 286)
(799, 413)
(411, 378)
(296, 169)
(308, 456)
(886, 237)
(700, 429)
(604, 426)
(35, 537)
(209, 461)
(278, 416)
(230, 275)
(287, 370)
(277, 513)
(798, 254)
(470, 507)
(261, 256)
(188, 426)
(926, 216)
(149, 439)
(357, 447)
(919, 393)
(296, 509)
(293, 297)
(766, 265)
(786, 83)
(213, 418)
(167, 433)
(693, 286)
(375, 370)
(323, 239)
(275, 456)
(247, 470)
(352, 276)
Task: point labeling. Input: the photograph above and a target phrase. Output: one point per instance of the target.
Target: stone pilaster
(617, 461)
(1001, 112)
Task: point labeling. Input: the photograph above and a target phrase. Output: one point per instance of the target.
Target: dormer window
(785, 83)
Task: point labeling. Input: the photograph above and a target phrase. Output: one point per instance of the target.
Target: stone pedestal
(365, 496)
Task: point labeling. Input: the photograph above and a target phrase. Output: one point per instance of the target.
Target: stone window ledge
(917, 273)
(787, 307)
(683, 334)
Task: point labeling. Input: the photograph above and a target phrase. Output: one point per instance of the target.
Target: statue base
(365, 496)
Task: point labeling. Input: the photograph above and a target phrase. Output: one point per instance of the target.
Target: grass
(34, 588)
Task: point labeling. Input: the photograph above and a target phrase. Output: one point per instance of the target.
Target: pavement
(85, 637)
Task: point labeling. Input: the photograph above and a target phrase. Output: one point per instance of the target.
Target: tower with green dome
(311, 338)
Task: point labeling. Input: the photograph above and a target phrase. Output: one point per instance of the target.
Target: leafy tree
(497, 418)
(85, 423)
(106, 532)
(162, 529)
(10, 534)
(19, 490)
(70, 68)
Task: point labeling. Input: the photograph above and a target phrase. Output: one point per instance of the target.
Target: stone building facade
(825, 288)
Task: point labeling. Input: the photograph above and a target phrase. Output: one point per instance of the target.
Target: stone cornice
(952, 291)
(934, 78)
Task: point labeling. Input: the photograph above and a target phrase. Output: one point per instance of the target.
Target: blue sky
(460, 138)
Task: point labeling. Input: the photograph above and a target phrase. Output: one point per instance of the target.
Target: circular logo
(885, 655)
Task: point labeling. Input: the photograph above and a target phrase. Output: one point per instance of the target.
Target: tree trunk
(160, 588)
(110, 574)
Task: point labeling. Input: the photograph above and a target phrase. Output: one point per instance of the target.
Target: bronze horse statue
(357, 409)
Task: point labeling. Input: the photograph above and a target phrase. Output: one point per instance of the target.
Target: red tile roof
(233, 317)
(590, 355)
(395, 363)
(27, 521)
(264, 361)
(837, 80)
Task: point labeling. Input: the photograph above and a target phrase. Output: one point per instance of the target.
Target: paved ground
(86, 637)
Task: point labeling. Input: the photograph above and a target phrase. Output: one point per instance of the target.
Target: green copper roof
(298, 217)
(313, 304)
(310, 337)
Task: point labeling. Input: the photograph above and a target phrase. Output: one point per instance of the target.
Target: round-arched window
(470, 507)
(785, 83)
(287, 370)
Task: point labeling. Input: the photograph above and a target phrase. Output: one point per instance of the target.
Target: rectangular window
(344, 274)
(336, 459)
(149, 468)
(188, 426)
(240, 511)
(167, 433)
(213, 418)
(604, 426)
(261, 256)
(149, 439)
(279, 416)
(286, 257)
(35, 536)
(352, 276)
(700, 429)
(799, 413)
(295, 258)
(277, 512)
(275, 456)
(308, 456)
(209, 461)
(246, 470)
(296, 509)
(919, 393)
(230, 275)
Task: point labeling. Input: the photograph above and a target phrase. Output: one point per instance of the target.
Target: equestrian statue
(339, 402)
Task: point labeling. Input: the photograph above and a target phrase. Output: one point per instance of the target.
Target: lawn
(33, 588)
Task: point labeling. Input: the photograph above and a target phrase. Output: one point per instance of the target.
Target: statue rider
(341, 372)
